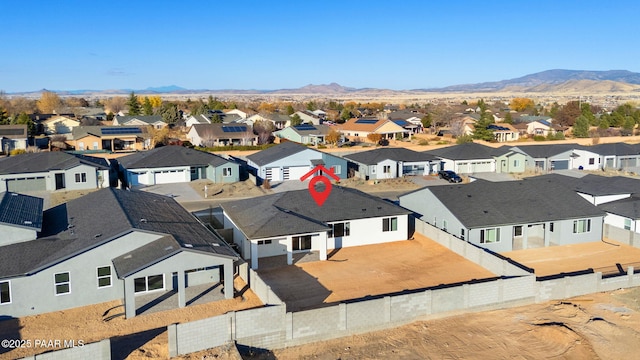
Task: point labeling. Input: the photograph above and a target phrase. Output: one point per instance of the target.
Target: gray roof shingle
(463, 152)
(101, 216)
(277, 152)
(483, 203)
(171, 155)
(129, 263)
(46, 161)
(372, 157)
(295, 212)
(629, 207)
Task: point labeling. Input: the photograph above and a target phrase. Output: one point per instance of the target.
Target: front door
(60, 181)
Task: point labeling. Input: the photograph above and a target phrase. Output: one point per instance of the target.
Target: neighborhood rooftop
(372, 157)
(484, 203)
(276, 152)
(96, 218)
(170, 155)
(46, 161)
(295, 212)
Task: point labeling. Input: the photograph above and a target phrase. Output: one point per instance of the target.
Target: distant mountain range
(550, 81)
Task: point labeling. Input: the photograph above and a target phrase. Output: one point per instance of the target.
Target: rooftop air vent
(27, 222)
(168, 248)
(128, 256)
(188, 245)
(143, 220)
(97, 235)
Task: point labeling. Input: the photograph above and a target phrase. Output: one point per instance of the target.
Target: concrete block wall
(518, 288)
(264, 292)
(408, 307)
(261, 328)
(202, 334)
(317, 322)
(100, 350)
(628, 237)
(448, 299)
(368, 314)
(484, 293)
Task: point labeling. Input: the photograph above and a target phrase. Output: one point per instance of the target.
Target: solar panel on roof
(366, 121)
(497, 127)
(305, 127)
(120, 131)
(234, 128)
(12, 132)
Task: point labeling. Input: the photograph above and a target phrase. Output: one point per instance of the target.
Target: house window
(95, 145)
(592, 161)
(336, 169)
(5, 292)
(81, 178)
(627, 224)
(226, 172)
(104, 276)
(81, 145)
(148, 283)
(62, 283)
(517, 230)
(581, 226)
(390, 224)
(301, 242)
(386, 169)
(489, 236)
(444, 225)
(373, 169)
(264, 242)
(516, 163)
(550, 227)
(340, 229)
(462, 234)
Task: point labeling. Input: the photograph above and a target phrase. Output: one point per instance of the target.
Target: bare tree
(457, 127)
(264, 129)
(115, 104)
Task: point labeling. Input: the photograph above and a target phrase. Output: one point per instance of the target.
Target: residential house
(304, 134)
(619, 156)
(509, 215)
(110, 138)
(175, 164)
(291, 161)
(13, 137)
(624, 213)
(279, 121)
(242, 114)
(309, 117)
(59, 124)
(388, 163)
(543, 127)
(213, 117)
(210, 135)
(504, 132)
(357, 129)
(509, 159)
(111, 245)
(155, 121)
(410, 120)
(467, 158)
(550, 157)
(293, 224)
(49, 171)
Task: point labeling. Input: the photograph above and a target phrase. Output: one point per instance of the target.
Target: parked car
(450, 176)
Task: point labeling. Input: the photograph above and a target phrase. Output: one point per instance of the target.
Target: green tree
(24, 119)
(585, 109)
(170, 113)
(311, 105)
(628, 125)
(581, 127)
(296, 120)
(198, 107)
(290, 109)
(147, 107)
(345, 115)
(134, 105)
(464, 139)
(4, 116)
(216, 119)
(426, 121)
(482, 131)
(507, 118)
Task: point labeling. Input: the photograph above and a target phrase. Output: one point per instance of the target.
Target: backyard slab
(603, 256)
(356, 272)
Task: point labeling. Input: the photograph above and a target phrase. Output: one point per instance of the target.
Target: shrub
(17, 152)
(539, 138)
(423, 142)
(234, 147)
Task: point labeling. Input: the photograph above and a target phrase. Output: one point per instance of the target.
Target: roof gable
(170, 155)
(277, 152)
(464, 151)
(44, 161)
(372, 157)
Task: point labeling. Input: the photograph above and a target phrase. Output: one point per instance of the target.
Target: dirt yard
(383, 185)
(142, 337)
(373, 270)
(227, 190)
(600, 256)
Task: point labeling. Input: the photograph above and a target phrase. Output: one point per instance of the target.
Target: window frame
(346, 229)
(390, 224)
(57, 283)
(226, 171)
(627, 224)
(487, 231)
(585, 228)
(99, 277)
(146, 284)
(81, 178)
(8, 282)
(298, 242)
(386, 169)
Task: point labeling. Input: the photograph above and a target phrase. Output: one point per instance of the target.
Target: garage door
(482, 166)
(27, 184)
(560, 164)
(273, 174)
(627, 162)
(169, 176)
(294, 172)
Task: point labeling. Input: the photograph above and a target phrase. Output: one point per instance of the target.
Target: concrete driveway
(182, 192)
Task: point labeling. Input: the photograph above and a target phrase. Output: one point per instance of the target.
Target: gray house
(467, 158)
(291, 161)
(617, 155)
(292, 224)
(111, 245)
(510, 215)
(13, 137)
(388, 163)
(174, 164)
(49, 171)
(20, 217)
(549, 157)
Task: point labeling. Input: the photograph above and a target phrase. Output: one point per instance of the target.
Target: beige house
(359, 128)
(59, 124)
(109, 138)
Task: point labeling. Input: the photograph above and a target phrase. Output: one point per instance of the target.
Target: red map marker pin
(319, 196)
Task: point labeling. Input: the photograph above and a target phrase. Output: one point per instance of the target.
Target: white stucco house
(291, 223)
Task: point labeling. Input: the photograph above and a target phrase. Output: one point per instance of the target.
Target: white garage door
(295, 172)
(169, 176)
(482, 166)
(273, 174)
(27, 184)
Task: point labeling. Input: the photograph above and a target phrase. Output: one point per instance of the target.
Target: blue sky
(69, 45)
